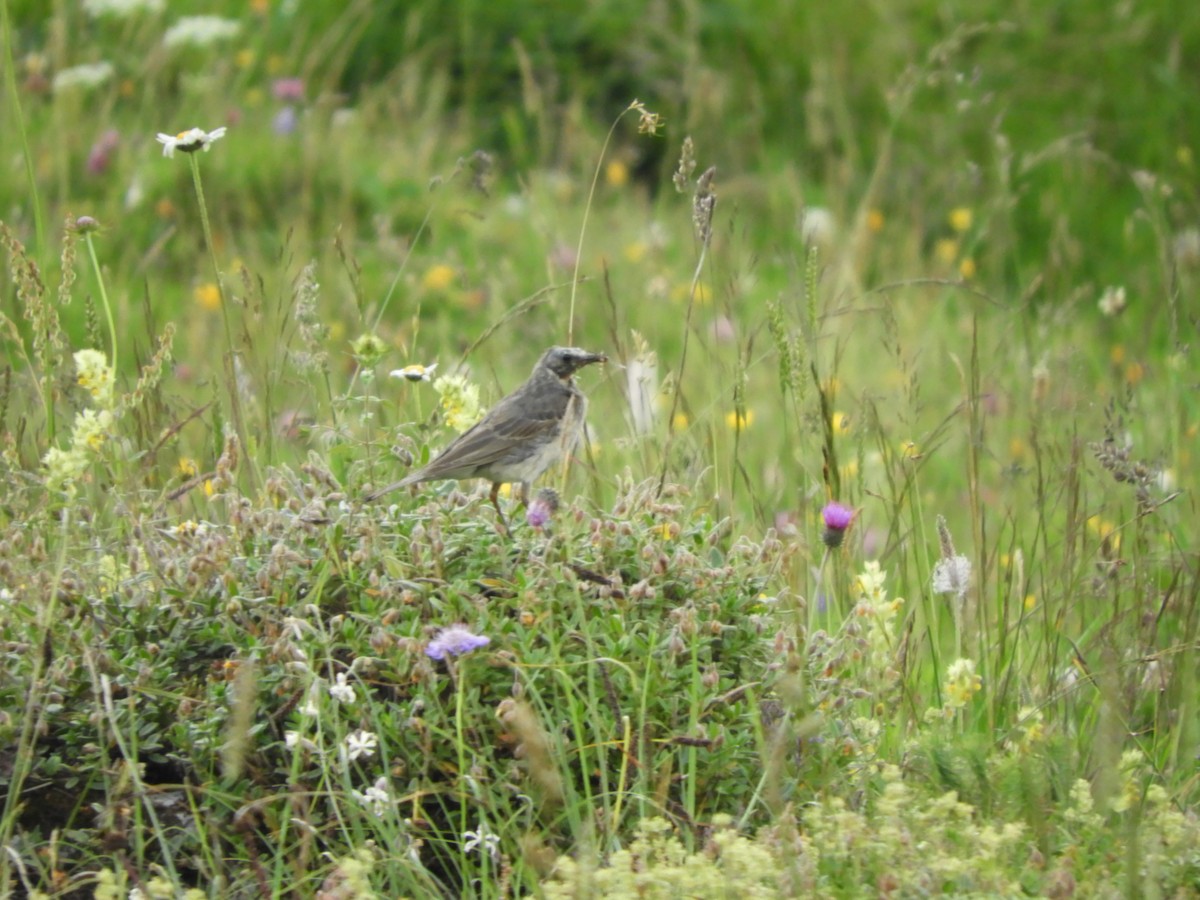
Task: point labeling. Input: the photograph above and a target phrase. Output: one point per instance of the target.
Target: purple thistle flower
(288, 89)
(455, 640)
(837, 519)
(100, 156)
(543, 507)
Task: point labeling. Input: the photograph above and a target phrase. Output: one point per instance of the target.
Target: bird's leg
(495, 497)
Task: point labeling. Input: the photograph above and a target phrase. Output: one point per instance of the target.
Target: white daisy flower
(415, 372)
(190, 141)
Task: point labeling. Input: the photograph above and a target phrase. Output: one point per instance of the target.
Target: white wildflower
(341, 691)
(360, 745)
(200, 31)
(641, 380)
(415, 372)
(309, 707)
(482, 840)
(121, 8)
(1186, 248)
(817, 226)
(88, 75)
(190, 141)
(377, 796)
(952, 576)
(1112, 301)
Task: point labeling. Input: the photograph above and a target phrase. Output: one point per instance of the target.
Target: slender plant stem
(194, 162)
(108, 314)
(10, 76)
(813, 602)
(587, 210)
(687, 330)
(235, 405)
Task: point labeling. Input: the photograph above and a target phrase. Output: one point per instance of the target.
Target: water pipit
(522, 435)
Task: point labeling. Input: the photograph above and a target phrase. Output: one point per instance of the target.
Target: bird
(522, 435)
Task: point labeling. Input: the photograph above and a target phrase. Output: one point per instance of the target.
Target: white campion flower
(341, 691)
(360, 744)
(200, 31)
(482, 840)
(190, 141)
(376, 797)
(309, 707)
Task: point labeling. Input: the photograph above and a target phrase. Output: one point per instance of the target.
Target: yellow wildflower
(96, 376)
(460, 401)
(946, 250)
(634, 252)
(739, 421)
(438, 278)
(961, 683)
(208, 295)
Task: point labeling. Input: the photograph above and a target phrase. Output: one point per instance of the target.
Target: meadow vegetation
(877, 574)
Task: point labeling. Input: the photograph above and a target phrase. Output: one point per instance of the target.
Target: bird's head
(564, 361)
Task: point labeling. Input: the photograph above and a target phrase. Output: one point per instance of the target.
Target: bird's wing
(522, 417)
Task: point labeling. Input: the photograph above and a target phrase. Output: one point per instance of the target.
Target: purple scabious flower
(455, 640)
(285, 121)
(837, 519)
